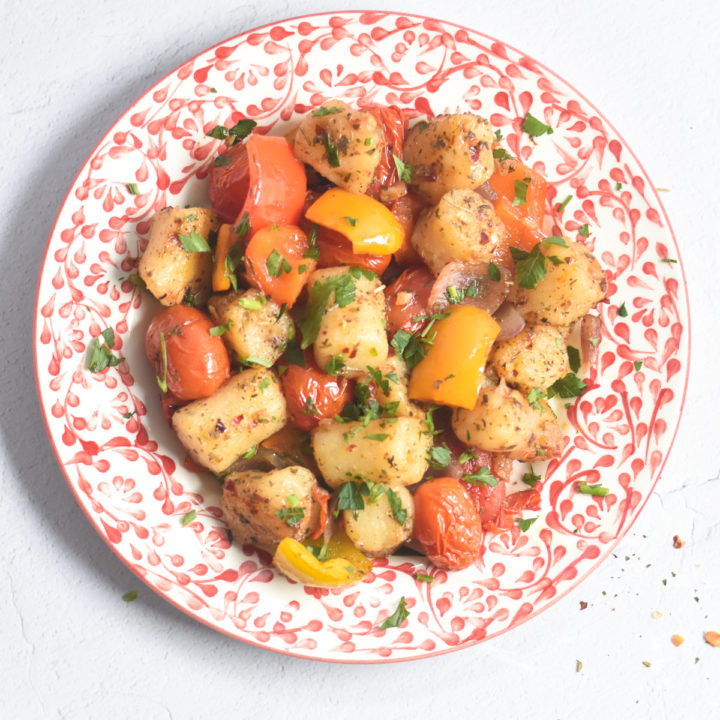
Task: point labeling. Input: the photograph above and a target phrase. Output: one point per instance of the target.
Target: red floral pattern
(124, 464)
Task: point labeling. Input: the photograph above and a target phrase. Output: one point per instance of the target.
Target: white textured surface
(71, 648)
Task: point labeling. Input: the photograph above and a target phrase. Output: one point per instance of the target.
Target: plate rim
(355, 13)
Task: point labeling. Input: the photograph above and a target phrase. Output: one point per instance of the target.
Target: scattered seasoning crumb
(677, 542)
(579, 666)
(583, 604)
(130, 596)
(697, 660)
(712, 638)
(677, 640)
(646, 663)
(656, 615)
(664, 582)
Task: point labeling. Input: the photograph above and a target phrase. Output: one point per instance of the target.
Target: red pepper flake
(677, 640)
(583, 604)
(677, 542)
(350, 448)
(237, 420)
(712, 638)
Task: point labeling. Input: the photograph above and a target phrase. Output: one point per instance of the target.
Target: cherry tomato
(446, 524)
(229, 183)
(407, 298)
(194, 363)
(311, 395)
(488, 500)
(393, 122)
(277, 264)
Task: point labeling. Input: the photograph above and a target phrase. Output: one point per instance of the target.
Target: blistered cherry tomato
(194, 363)
(407, 298)
(311, 395)
(447, 524)
(229, 183)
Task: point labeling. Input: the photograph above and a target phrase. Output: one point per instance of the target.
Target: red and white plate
(127, 473)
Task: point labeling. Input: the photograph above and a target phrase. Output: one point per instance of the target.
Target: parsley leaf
(493, 272)
(534, 127)
(573, 358)
(404, 171)
(351, 221)
(637, 365)
(566, 387)
(524, 525)
(482, 477)
(194, 242)
(521, 188)
(342, 287)
(219, 330)
(440, 456)
(132, 188)
(534, 397)
(322, 111)
(335, 365)
(349, 497)
(597, 490)
(294, 514)
(101, 355)
(622, 311)
(398, 511)
(398, 617)
(252, 303)
(242, 129)
(584, 230)
(529, 266)
(276, 264)
(330, 150)
(188, 517)
(531, 478)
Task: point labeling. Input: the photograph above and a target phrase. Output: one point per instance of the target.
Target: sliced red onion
(511, 322)
(590, 327)
(456, 278)
(486, 190)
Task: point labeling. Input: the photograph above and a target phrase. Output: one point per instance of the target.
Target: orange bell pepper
(365, 222)
(503, 182)
(452, 371)
(225, 240)
(522, 232)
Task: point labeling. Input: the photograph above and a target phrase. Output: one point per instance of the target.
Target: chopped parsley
(529, 266)
(404, 171)
(194, 242)
(331, 151)
(439, 456)
(622, 311)
(313, 252)
(322, 111)
(596, 490)
(188, 517)
(294, 514)
(637, 365)
(573, 358)
(524, 525)
(133, 189)
(398, 617)
(243, 227)
(351, 221)
(276, 264)
(252, 303)
(342, 287)
(534, 127)
(564, 203)
(101, 355)
(349, 497)
(219, 330)
(584, 231)
(534, 398)
(531, 478)
(521, 188)
(398, 511)
(421, 577)
(493, 272)
(566, 387)
(482, 477)
(130, 596)
(335, 365)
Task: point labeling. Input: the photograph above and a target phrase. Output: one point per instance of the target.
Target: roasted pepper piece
(298, 563)
(366, 223)
(221, 273)
(452, 371)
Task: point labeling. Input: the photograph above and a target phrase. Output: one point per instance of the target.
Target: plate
(124, 464)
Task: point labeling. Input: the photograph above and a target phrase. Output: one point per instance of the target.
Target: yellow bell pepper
(365, 222)
(452, 371)
(293, 559)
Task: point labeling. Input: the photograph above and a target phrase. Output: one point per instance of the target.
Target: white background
(71, 648)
